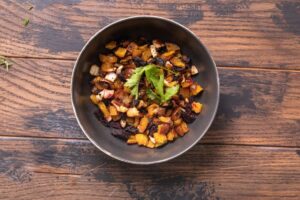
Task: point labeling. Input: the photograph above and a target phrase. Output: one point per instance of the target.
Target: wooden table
(252, 151)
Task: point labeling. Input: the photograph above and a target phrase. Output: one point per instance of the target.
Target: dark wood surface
(252, 151)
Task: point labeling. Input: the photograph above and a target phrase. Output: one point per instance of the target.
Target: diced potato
(176, 114)
(165, 119)
(167, 55)
(107, 67)
(160, 139)
(108, 58)
(152, 109)
(195, 89)
(185, 92)
(196, 107)
(177, 122)
(141, 139)
(111, 45)
(177, 62)
(104, 110)
(94, 99)
(146, 54)
(187, 83)
(137, 52)
(94, 70)
(150, 144)
(143, 124)
(113, 110)
(121, 52)
(133, 112)
(182, 129)
(171, 135)
(131, 140)
(172, 47)
(163, 128)
(132, 46)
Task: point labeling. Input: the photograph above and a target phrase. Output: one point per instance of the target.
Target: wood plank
(238, 33)
(256, 106)
(66, 169)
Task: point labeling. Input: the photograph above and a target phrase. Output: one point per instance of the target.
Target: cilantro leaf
(152, 95)
(156, 77)
(171, 91)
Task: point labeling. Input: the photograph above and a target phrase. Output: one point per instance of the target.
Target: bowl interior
(149, 27)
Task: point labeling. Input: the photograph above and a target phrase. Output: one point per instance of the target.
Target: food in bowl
(145, 91)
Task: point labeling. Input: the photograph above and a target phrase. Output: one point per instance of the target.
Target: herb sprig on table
(154, 75)
(6, 63)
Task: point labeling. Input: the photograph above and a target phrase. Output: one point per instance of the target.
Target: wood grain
(238, 33)
(66, 169)
(256, 106)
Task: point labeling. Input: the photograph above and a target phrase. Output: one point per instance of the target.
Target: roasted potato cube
(152, 109)
(177, 62)
(113, 110)
(111, 45)
(160, 139)
(196, 107)
(167, 55)
(146, 54)
(137, 52)
(165, 119)
(141, 139)
(133, 112)
(187, 83)
(107, 67)
(108, 58)
(131, 140)
(195, 89)
(177, 122)
(143, 124)
(182, 129)
(150, 144)
(121, 52)
(185, 92)
(132, 46)
(172, 47)
(94, 99)
(104, 110)
(171, 135)
(163, 128)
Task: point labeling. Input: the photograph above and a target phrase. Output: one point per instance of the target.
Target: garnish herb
(5, 62)
(26, 21)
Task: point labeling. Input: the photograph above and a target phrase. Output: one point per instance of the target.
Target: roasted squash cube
(196, 107)
(143, 124)
(195, 89)
(111, 45)
(121, 52)
(141, 139)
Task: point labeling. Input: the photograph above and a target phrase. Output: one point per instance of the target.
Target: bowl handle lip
(144, 17)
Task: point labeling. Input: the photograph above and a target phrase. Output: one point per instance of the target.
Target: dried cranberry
(158, 61)
(135, 102)
(131, 129)
(162, 49)
(119, 133)
(188, 116)
(139, 62)
(101, 118)
(152, 128)
(115, 125)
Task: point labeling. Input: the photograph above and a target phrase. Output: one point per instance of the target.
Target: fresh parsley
(155, 76)
(26, 21)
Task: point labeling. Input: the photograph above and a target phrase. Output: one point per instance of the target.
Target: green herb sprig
(6, 63)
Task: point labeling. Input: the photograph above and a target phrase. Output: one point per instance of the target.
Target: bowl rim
(159, 160)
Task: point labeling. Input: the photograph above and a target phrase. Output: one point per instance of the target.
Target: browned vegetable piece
(104, 110)
(143, 124)
(187, 83)
(128, 72)
(165, 119)
(111, 45)
(171, 135)
(160, 139)
(116, 118)
(143, 47)
(131, 140)
(136, 121)
(112, 110)
(146, 54)
(176, 114)
(169, 112)
(130, 120)
(108, 58)
(107, 67)
(141, 104)
(94, 99)
(177, 62)
(161, 111)
(172, 47)
(170, 84)
(141, 139)
(195, 89)
(177, 122)
(137, 52)
(126, 59)
(150, 144)
(196, 107)
(167, 55)
(117, 84)
(158, 44)
(133, 112)
(121, 52)
(132, 46)
(185, 92)
(152, 109)
(182, 129)
(163, 128)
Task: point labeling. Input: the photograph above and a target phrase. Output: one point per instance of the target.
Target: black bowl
(149, 27)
